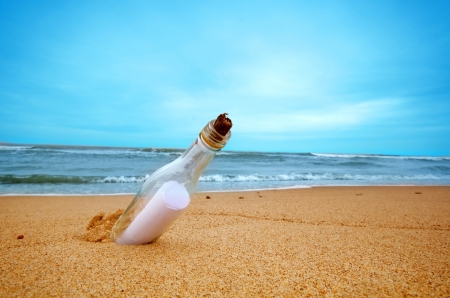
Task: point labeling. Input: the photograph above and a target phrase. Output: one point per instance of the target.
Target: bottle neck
(211, 139)
(199, 155)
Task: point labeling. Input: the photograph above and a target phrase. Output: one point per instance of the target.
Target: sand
(324, 241)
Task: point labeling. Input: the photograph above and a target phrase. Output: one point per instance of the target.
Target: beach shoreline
(219, 191)
(338, 241)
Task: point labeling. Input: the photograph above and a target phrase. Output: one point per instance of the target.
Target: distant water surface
(43, 169)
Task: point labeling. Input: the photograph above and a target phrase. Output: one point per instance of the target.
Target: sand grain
(330, 241)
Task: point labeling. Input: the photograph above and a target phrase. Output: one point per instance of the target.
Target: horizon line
(7, 144)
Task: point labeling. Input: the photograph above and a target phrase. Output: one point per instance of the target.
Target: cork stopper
(223, 124)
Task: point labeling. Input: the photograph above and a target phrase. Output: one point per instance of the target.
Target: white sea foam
(225, 153)
(118, 152)
(15, 147)
(318, 177)
(104, 151)
(120, 179)
(275, 178)
(381, 156)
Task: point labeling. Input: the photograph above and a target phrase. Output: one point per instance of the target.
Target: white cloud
(336, 117)
(278, 74)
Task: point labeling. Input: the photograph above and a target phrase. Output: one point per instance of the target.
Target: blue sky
(294, 76)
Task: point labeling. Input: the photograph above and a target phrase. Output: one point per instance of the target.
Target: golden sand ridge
(324, 241)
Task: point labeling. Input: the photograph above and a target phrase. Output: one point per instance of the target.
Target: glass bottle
(168, 191)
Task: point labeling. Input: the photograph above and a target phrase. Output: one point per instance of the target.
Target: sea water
(43, 169)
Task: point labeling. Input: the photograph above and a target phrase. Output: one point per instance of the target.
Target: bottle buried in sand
(166, 194)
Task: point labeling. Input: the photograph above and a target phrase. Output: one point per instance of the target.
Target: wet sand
(324, 241)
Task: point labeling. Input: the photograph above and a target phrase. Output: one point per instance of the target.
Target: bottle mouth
(212, 138)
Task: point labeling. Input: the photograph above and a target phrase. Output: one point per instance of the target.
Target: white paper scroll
(160, 212)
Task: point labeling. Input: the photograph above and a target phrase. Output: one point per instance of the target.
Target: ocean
(44, 169)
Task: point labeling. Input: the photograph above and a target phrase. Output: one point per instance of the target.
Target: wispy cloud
(344, 116)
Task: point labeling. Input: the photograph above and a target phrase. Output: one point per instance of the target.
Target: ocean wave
(91, 150)
(155, 152)
(59, 179)
(15, 148)
(163, 150)
(41, 179)
(121, 179)
(381, 156)
(316, 177)
(263, 155)
(88, 151)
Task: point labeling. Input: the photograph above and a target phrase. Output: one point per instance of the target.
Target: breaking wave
(317, 177)
(327, 155)
(50, 179)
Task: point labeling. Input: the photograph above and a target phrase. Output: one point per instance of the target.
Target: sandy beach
(324, 241)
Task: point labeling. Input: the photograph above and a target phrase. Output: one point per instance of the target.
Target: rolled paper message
(160, 212)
